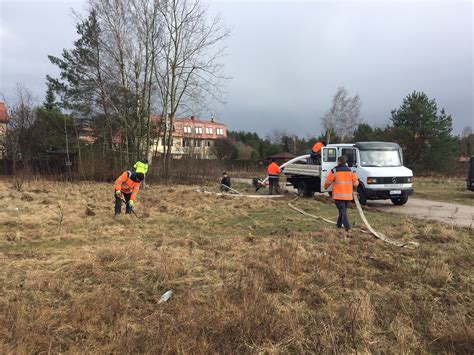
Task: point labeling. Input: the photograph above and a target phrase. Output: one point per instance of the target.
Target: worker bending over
(316, 152)
(273, 177)
(225, 182)
(141, 166)
(344, 181)
(127, 185)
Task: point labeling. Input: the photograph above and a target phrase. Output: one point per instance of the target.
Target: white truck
(379, 166)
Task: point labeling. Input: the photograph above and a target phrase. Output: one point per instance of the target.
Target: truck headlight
(371, 180)
(410, 179)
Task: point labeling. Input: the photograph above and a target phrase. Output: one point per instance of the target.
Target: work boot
(348, 233)
(117, 216)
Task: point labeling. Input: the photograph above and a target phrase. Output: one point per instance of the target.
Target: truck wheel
(399, 201)
(302, 188)
(362, 196)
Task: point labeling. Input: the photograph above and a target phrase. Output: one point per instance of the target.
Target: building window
(197, 143)
(187, 129)
(198, 130)
(208, 143)
(209, 130)
(219, 131)
(186, 143)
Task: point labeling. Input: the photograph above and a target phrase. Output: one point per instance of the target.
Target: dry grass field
(247, 276)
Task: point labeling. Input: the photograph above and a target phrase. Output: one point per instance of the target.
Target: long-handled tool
(231, 189)
(131, 209)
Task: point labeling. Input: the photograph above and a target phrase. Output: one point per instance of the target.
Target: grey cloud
(288, 58)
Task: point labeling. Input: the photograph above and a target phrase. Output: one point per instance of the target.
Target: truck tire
(399, 201)
(302, 188)
(362, 196)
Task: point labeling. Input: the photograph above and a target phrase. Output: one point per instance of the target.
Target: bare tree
(18, 135)
(343, 116)
(188, 69)
(225, 149)
(277, 135)
(136, 56)
(466, 132)
(130, 31)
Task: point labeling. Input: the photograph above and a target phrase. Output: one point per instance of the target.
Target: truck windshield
(384, 158)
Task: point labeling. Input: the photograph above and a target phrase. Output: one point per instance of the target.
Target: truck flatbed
(302, 169)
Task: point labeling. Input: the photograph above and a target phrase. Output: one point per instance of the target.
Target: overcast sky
(287, 58)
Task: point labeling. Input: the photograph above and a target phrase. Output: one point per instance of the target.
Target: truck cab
(379, 166)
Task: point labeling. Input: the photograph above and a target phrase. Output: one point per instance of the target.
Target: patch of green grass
(448, 189)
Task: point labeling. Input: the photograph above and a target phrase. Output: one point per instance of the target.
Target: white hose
(240, 195)
(282, 166)
(377, 234)
(362, 215)
(231, 189)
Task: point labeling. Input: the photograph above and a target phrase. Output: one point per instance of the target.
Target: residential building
(4, 118)
(191, 136)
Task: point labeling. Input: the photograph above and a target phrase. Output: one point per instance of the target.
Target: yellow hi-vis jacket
(141, 167)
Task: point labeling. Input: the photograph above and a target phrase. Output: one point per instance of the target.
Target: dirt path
(461, 215)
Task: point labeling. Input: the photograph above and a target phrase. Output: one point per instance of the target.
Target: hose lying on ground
(231, 189)
(235, 195)
(372, 231)
(380, 235)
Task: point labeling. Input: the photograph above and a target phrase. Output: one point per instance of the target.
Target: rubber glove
(118, 193)
(130, 203)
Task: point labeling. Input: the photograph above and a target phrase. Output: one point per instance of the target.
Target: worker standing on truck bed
(273, 177)
(141, 166)
(127, 185)
(316, 152)
(344, 181)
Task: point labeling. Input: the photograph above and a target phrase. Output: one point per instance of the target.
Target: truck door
(351, 156)
(329, 161)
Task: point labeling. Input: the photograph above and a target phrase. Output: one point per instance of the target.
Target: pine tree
(50, 103)
(425, 134)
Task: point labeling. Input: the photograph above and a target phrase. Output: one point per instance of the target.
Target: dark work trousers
(343, 219)
(118, 203)
(274, 183)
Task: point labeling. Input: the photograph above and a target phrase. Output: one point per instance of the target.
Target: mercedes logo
(394, 180)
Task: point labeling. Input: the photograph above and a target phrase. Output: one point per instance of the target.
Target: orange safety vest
(273, 169)
(127, 185)
(317, 147)
(343, 179)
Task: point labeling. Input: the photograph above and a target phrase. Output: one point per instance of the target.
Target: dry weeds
(247, 276)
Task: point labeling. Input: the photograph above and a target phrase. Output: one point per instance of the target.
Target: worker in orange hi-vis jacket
(127, 185)
(344, 180)
(316, 152)
(273, 177)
